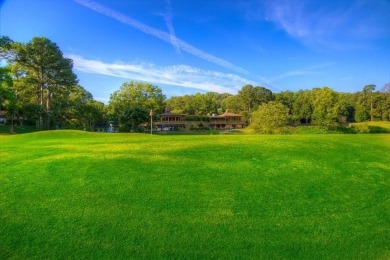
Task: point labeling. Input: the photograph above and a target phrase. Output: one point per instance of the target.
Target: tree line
(38, 87)
(318, 106)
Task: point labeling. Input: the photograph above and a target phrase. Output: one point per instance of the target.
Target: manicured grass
(70, 194)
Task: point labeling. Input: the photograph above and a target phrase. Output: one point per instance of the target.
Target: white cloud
(334, 24)
(179, 75)
(167, 37)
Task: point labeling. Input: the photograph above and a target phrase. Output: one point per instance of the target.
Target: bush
(361, 129)
(213, 132)
(369, 129)
(271, 118)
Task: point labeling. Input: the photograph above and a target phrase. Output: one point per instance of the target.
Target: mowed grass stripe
(69, 194)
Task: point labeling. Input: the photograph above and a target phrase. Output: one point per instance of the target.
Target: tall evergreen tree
(48, 71)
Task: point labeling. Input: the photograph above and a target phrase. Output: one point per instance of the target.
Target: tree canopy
(271, 117)
(131, 104)
(44, 82)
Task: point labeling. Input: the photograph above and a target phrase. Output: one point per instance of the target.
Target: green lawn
(70, 194)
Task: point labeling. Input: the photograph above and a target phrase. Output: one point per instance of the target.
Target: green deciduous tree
(271, 117)
(234, 103)
(198, 104)
(381, 106)
(302, 108)
(365, 104)
(79, 109)
(92, 113)
(325, 112)
(131, 104)
(252, 97)
(345, 108)
(287, 98)
(8, 99)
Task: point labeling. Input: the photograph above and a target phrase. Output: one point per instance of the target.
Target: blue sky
(187, 46)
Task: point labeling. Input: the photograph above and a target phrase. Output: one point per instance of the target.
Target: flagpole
(151, 121)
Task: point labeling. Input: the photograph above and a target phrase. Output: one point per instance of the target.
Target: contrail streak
(169, 38)
(171, 30)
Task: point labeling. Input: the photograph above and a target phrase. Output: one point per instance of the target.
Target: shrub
(271, 117)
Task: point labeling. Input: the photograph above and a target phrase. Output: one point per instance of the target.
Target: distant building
(3, 119)
(106, 127)
(227, 120)
(172, 121)
(16, 118)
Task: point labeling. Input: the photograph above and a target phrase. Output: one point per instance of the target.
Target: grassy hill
(70, 194)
